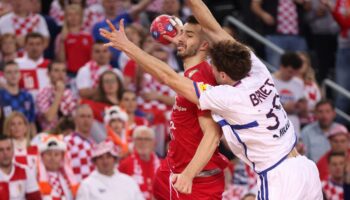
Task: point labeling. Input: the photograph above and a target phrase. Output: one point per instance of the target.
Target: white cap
(115, 112)
(52, 142)
(105, 147)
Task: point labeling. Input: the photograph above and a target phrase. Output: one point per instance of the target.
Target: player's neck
(12, 89)
(192, 61)
(6, 169)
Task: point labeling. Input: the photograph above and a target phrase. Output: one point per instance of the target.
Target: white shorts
(296, 178)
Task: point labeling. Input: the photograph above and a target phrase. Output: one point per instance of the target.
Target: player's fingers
(173, 178)
(105, 33)
(175, 24)
(121, 25)
(170, 39)
(111, 26)
(109, 44)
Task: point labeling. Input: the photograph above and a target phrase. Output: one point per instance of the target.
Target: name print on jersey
(261, 94)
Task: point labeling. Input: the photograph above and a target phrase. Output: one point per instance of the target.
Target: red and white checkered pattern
(149, 84)
(56, 12)
(44, 100)
(92, 15)
(27, 157)
(25, 25)
(79, 150)
(54, 180)
(332, 190)
(287, 17)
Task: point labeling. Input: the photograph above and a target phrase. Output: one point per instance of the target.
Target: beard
(188, 51)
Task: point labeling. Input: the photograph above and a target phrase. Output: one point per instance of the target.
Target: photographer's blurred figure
(107, 183)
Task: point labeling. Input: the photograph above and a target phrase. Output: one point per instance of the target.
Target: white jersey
(253, 120)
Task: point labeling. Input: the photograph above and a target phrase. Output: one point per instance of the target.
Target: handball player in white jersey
(247, 107)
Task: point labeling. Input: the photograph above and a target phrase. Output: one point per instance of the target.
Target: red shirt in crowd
(185, 130)
(78, 49)
(322, 166)
(141, 171)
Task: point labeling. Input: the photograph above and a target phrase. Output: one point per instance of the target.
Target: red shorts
(208, 188)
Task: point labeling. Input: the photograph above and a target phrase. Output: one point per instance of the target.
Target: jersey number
(273, 115)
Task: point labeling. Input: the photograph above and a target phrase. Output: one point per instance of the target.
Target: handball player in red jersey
(193, 131)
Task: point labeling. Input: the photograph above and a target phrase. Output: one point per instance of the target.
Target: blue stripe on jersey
(196, 89)
(262, 187)
(266, 186)
(237, 126)
(244, 126)
(281, 160)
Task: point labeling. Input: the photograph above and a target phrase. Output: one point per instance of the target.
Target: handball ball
(161, 26)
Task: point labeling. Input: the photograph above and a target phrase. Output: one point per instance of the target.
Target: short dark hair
(291, 59)
(33, 35)
(99, 42)
(50, 65)
(323, 102)
(191, 20)
(9, 63)
(334, 154)
(231, 57)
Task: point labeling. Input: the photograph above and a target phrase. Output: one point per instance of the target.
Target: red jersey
(185, 130)
(78, 49)
(141, 171)
(322, 166)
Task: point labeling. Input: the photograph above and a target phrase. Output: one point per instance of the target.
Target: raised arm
(209, 24)
(148, 63)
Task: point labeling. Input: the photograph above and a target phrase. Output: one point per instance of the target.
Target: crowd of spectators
(81, 121)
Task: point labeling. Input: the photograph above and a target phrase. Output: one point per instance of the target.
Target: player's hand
(117, 38)
(182, 183)
(176, 22)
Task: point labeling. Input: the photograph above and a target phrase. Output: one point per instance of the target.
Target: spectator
(323, 38)
(129, 104)
(16, 126)
(88, 75)
(311, 88)
(12, 98)
(289, 87)
(55, 175)
(107, 179)
(32, 65)
(142, 164)
(346, 185)
(333, 187)
(108, 93)
(110, 88)
(5, 7)
(283, 24)
(312, 93)
(339, 141)
(57, 8)
(73, 45)
(52, 26)
(340, 12)
(16, 181)
(314, 135)
(79, 143)
(55, 100)
(8, 47)
(116, 124)
(22, 21)
(114, 10)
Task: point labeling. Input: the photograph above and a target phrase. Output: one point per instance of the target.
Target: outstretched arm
(205, 18)
(148, 63)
